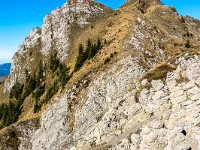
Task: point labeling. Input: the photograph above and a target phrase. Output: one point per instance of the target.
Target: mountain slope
(139, 90)
(5, 69)
(59, 30)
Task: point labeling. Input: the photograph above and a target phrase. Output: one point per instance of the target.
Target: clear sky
(17, 18)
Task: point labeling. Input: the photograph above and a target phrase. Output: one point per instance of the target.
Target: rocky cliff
(57, 33)
(140, 91)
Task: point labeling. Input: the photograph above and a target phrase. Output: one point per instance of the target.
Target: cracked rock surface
(167, 116)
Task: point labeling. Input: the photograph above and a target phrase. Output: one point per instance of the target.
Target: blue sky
(17, 18)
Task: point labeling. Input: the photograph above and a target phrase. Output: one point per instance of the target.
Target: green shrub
(16, 90)
(37, 107)
(148, 86)
(105, 41)
(9, 114)
(54, 61)
(107, 60)
(81, 57)
(158, 75)
(187, 45)
(137, 95)
(11, 134)
(30, 85)
(183, 50)
(182, 79)
(39, 91)
(111, 55)
(40, 72)
(89, 53)
(64, 77)
(188, 34)
(141, 10)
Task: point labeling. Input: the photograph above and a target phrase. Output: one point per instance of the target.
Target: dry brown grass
(114, 29)
(4, 97)
(158, 72)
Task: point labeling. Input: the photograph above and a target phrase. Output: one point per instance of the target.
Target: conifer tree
(98, 44)
(187, 45)
(40, 72)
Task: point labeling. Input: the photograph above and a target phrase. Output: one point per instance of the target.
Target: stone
(135, 139)
(96, 132)
(125, 141)
(144, 82)
(150, 138)
(157, 85)
(146, 130)
(162, 132)
(179, 138)
(158, 95)
(156, 124)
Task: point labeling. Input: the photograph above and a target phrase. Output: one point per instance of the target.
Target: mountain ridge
(136, 86)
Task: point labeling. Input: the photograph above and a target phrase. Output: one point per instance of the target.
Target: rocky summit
(96, 78)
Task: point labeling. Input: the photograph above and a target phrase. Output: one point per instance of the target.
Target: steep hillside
(97, 78)
(59, 30)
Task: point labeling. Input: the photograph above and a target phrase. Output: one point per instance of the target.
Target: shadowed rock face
(147, 97)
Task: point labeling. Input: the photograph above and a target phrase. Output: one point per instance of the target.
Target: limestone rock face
(167, 116)
(20, 62)
(54, 35)
(56, 26)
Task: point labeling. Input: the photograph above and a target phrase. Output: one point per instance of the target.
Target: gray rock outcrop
(108, 115)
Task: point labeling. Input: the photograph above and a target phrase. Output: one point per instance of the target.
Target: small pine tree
(107, 60)
(54, 62)
(188, 34)
(40, 72)
(64, 77)
(91, 52)
(98, 44)
(51, 62)
(80, 49)
(89, 43)
(187, 45)
(79, 63)
(105, 42)
(111, 55)
(12, 134)
(36, 107)
(27, 75)
(16, 90)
